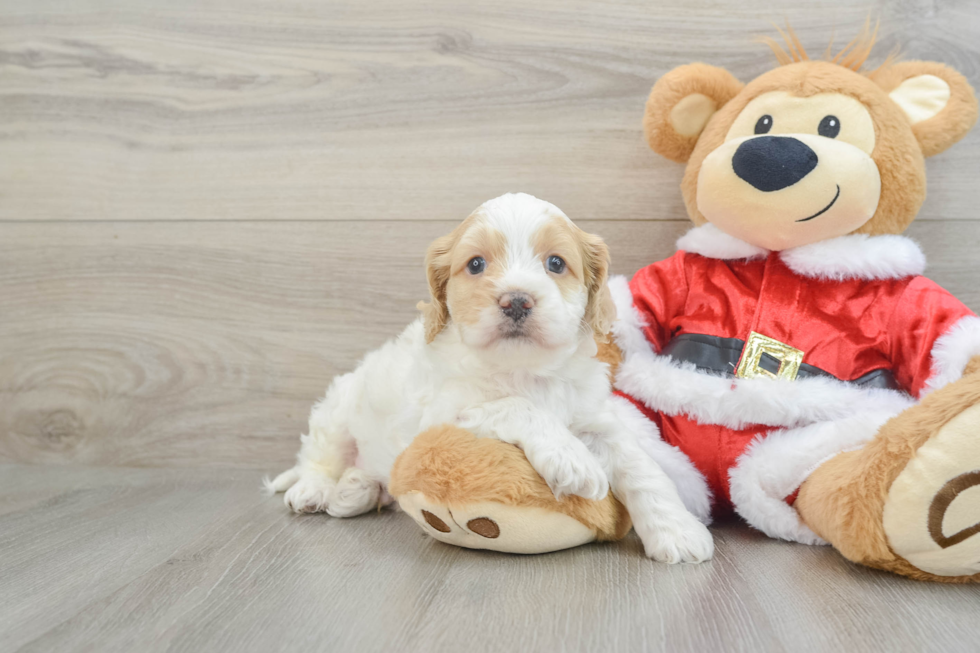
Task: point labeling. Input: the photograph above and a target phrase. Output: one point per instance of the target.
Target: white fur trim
(711, 242)
(953, 351)
(774, 466)
(856, 256)
(690, 483)
(679, 388)
(627, 330)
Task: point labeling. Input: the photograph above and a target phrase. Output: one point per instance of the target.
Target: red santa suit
(760, 366)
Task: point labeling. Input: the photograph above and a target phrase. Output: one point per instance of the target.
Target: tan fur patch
(610, 354)
(559, 237)
(438, 266)
(587, 259)
(468, 295)
(600, 313)
(451, 284)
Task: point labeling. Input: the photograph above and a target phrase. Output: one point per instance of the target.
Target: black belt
(721, 356)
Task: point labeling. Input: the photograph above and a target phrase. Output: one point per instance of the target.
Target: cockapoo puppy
(506, 348)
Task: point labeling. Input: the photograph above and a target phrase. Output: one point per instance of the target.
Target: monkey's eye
(763, 124)
(476, 265)
(829, 127)
(556, 264)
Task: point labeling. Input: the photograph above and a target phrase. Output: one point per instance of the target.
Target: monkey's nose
(772, 163)
(516, 305)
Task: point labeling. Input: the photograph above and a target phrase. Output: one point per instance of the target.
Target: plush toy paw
(496, 526)
(931, 515)
(680, 539)
(481, 493)
(909, 502)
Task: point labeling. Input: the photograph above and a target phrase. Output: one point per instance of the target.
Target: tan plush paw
(484, 494)
(932, 513)
(909, 501)
(495, 526)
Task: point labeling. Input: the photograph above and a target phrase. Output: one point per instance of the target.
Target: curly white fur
(541, 389)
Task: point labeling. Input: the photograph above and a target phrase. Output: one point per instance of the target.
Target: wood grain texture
(208, 208)
(156, 344)
(194, 560)
(203, 343)
(348, 110)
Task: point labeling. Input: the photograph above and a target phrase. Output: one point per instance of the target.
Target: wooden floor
(208, 208)
(196, 560)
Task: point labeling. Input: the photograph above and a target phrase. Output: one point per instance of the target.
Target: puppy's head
(517, 275)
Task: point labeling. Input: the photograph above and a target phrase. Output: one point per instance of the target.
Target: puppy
(506, 348)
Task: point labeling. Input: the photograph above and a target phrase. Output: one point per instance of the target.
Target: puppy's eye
(476, 265)
(763, 124)
(556, 264)
(829, 127)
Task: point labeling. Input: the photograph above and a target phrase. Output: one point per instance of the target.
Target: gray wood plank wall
(208, 209)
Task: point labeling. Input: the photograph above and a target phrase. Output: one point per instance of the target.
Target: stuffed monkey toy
(791, 348)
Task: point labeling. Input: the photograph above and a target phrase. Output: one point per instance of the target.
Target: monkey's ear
(680, 105)
(937, 100)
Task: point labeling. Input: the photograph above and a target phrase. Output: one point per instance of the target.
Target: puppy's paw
(474, 419)
(355, 494)
(684, 540)
(311, 493)
(572, 471)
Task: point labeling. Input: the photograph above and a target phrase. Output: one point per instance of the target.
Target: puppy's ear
(438, 258)
(937, 100)
(680, 105)
(600, 312)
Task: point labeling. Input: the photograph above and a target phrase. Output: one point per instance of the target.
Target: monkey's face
(792, 171)
(810, 150)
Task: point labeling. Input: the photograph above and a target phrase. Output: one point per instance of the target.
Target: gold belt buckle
(749, 367)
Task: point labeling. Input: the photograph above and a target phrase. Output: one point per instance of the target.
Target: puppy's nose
(773, 162)
(516, 305)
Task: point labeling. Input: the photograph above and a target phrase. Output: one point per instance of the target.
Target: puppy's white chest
(547, 393)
